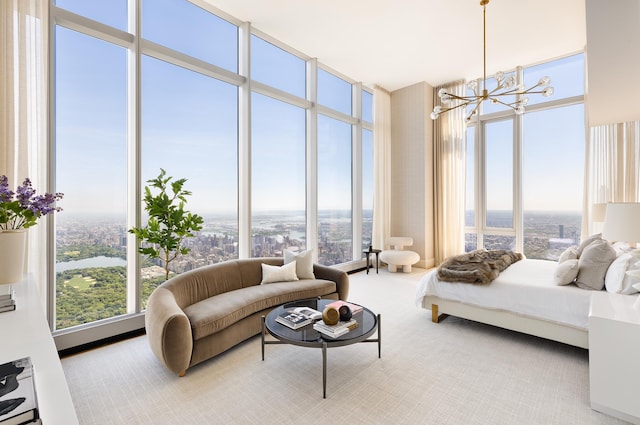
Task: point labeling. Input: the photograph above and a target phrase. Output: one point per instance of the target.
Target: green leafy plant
(169, 224)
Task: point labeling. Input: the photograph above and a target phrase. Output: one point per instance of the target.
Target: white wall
(613, 61)
(412, 169)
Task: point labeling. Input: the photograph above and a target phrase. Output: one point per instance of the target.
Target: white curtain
(381, 167)
(449, 144)
(23, 116)
(612, 168)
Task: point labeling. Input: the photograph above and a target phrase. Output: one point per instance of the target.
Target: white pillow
(593, 265)
(304, 263)
(286, 273)
(585, 243)
(566, 272)
(616, 280)
(570, 253)
(621, 247)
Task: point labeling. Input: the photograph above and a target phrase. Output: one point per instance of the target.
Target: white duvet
(526, 287)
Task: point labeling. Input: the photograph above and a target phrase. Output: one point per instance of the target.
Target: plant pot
(12, 254)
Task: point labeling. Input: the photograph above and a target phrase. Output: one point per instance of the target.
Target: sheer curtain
(23, 117)
(612, 168)
(381, 167)
(449, 144)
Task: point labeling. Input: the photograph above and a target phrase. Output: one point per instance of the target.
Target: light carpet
(455, 372)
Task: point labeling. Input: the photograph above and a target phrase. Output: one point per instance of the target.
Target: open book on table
(298, 317)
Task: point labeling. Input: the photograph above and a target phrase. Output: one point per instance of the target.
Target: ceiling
(396, 43)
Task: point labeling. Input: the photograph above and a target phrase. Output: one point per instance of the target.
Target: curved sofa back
(208, 281)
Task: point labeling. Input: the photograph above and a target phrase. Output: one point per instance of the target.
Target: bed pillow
(566, 272)
(304, 263)
(286, 273)
(593, 264)
(621, 247)
(616, 280)
(570, 253)
(585, 243)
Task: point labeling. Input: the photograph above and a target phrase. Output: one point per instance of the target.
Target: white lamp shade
(622, 222)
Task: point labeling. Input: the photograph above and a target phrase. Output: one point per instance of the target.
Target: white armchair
(396, 256)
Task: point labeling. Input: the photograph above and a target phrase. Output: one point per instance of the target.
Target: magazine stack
(18, 401)
(337, 330)
(7, 298)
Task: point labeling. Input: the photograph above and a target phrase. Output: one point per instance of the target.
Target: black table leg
(377, 262)
(262, 337)
(324, 370)
(379, 336)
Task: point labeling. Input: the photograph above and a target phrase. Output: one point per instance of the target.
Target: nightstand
(614, 350)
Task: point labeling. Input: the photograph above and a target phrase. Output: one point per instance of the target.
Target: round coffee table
(308, 337)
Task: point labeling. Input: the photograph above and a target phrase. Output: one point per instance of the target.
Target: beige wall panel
(412, 169)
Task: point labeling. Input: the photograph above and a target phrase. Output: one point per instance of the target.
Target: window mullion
(134, 180)
(312, 157)
(244, 142)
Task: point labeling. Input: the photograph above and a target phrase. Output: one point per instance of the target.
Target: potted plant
(169, 224)
(19, 210)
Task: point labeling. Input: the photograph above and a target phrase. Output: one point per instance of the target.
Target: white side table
(614, 350)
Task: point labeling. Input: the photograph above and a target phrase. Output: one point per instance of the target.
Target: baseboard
(99, 343)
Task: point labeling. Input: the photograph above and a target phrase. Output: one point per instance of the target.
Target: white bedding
(526, 287)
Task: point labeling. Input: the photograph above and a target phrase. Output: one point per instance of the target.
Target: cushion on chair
(399, 258)
(398, 242)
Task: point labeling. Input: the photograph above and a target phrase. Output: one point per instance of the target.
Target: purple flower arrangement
(26, 208)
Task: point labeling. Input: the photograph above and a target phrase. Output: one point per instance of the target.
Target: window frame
(479, 229)
(137, 47)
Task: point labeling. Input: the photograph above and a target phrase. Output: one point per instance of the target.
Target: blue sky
(189, 122)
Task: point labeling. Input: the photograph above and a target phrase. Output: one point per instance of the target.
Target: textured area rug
(455, 372)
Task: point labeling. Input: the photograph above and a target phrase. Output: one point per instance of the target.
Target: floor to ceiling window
(334, 191)
(278, 177)
(167, 90)
(524, 173)
(91, 166)
(189, 129)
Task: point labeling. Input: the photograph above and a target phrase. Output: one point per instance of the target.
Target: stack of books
(18, 401)
(7, 299)
(355, 308)
(334, 331)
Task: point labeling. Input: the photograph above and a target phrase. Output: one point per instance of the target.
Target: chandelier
(505, 87)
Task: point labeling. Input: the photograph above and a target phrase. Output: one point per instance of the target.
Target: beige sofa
(201, 313)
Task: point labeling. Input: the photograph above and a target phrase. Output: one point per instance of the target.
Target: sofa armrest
(338, 276)
(168, 331)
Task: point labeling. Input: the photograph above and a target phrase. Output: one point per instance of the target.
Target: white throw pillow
(616, 273)
(286, 273)
(304, 263)
(617, 280)
(570, 253)
(585, 243)
(621, 247)
(593, 264)
(566, 272)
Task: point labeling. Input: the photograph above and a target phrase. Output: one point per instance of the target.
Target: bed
(522, 298)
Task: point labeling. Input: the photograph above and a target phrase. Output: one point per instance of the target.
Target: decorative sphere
(331, 316)
(345, 313)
